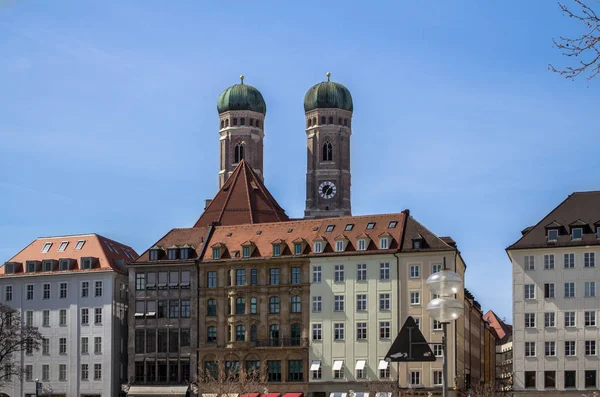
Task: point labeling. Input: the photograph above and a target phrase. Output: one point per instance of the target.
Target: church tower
(242, 112)
(328, 108)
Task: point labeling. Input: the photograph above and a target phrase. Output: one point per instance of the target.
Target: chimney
(207, 203)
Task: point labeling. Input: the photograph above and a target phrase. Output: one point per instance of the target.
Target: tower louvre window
(239, 152)
(242, 121)
(345, 122)
(257, 123)
(227, 123)
(322, 119)
(340, 121)
(327, 151)
(330, 121)
(235, 121)
(222, 124)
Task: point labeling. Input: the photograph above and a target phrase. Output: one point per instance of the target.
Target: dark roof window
(416, 244)
(370, 225)
(392, 224)
(349, 227)
(46, 248)
(330, 228)
(79, 245)
(552, 234)
(577, 233)
(172, 253)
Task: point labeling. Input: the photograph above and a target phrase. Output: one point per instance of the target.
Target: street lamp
(445, 308)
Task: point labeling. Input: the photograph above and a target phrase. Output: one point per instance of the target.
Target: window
(8, 292)
(436, 267)
(276, 249)
(529, 320)
(85, 318)
(274, 304)
(46, 248)
(294, 371)
(338, 331)
(212, 279)
(361, 302)
(246, 251)
(339, 245)
(240, 333)
(550, 379)
(362, 244)
(62, 317)
(240, 306)
(274, 370)
(316, 304)
(150, 341)
(437, 350)
(549, 319)
(569, 290)
(63, 290)
(174, 308)
(529, 262)
(97, 371)
(46, 291)
(338, 276)
(590, 378)
(98, 345)
(140, 281)
(338, 303)
(240, 277)
(29, 292)
(297, 248)
(590, 318)
(437, 326)
(415, 378)
(62, 372)
(590, 289)
(79, 245)
(45, 372)
(361, 331)
(415, 271)
(570, 379)
(549, 290)
(529, 291)
(317, 332)
(85, 372)
(29, 373)
(384, 243)
(550, 348)
(570, 348)
(338, 370)
(384, 271)
(253, 306)
(327, 151)
(529, 349)
(98, 288)
(62, 345)
(211, 334)
(274, 276)
(360, 369)
(437, 378)
(384, 330)
(238, 151)
(590, 347)
(85, 289)
(211, 307)
(216, 253)
(589, 259)
(46, 318)
(415, 298)
(370, 225)
(296, 306)
(98, 315)
(154, 253)
(569, 260)
(186, 308)
(576, 233)
(296, 275)
(384, 301)
(552, 234)
(163, 309)
(29, 318)
(549, 261)
(318, 247)
(316, 274)
(417, 321)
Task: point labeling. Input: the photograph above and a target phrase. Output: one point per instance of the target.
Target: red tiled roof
(500, 327)
(306, 231)
(178, 237)
(111, 254)
(242, 199)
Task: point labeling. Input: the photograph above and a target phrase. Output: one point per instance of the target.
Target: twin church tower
(328, 112)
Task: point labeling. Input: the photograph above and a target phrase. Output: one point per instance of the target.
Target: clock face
(327, 189)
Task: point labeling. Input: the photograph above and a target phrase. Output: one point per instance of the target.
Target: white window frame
(529, 291)
(570, 318)
(530, 320)
(579, 230)
(529, 262)
(339, 246)
(415, 298)
(569, 261)
(552, 235)
(339, 276)
(589, 259)
(361, 302)
(550, 349)
(570, 348)
(530, 349)
(317, 304)
(589, 318)
(384, 301)
(47, 246)
(338, 303)
(384, 271)
(339, 332)
(415, 378)
(318, 247)
(63, 246)
(362, 244)
(549, 261)
(590, 289)
(384, 243)
(316, 276)
(436, 267)
(415, 271)
(317, 330)
(549, 320)
(569, 292)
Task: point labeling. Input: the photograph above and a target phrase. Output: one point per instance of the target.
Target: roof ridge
(245, 166)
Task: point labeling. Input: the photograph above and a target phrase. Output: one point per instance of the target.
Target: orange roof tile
(242, 199)
(111, 254)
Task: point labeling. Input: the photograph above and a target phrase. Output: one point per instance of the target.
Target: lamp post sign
(410, 345)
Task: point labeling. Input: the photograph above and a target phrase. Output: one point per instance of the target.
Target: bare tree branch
(584, 47)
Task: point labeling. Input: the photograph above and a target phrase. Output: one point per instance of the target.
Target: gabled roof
(502, 329)
(578, 206)
(242, 199)
(111, 254)
(578, 222)
(416, 231)
(193, 237)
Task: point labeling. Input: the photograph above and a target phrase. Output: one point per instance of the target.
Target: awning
(250, 395)
(383, 394)
(292, 395)
(271, 395)
(337, 395)
(337, 365)
(361, 394)
(383, 364)
(315, 365)
(360, 364)
(157, 391)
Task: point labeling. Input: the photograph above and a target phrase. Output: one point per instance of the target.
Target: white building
(74, 289)
(555, 302)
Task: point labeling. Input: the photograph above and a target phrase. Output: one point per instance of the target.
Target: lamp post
(38, 388)
(445, 308)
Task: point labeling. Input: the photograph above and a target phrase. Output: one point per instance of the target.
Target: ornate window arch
(239, 152)
(327, 151)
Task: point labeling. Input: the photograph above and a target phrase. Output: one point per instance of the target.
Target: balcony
(282, 342)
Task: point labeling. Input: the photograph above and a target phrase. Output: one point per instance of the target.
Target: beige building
(555, 303)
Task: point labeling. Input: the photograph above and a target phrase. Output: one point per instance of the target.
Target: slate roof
(415, 230)
(242, 199)
(194, 236)
(579, 208)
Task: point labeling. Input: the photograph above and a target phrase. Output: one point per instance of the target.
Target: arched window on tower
(239, 152)
(257, 123)
(345, 122)
(222, 124)
(314, 121)
(251, 122)
(330, 120)
(327, 151)
(340, 121)
(227, 123)
(242, 121)
(308, 123)
(235, 121)
(323, 119)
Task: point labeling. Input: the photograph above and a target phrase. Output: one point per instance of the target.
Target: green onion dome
(241, 97)
(328, 95)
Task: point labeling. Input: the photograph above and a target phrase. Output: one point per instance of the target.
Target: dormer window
(349, 227)
(64, 264)
(392, 224)
(172, 253)
(86, 263)
(63, 246)
(416, 244)
(48, 266)
(30, 266)
(576, 233)
(339, 245)
(597, 231)
(370, 225)
(276, 249)
(552, 234)
(362, 244)
(9, 268)
(184, 253)
(46, 248)
(154, 254)
(216, 253)
(79, 245)
(318, 247)
(246, 251)
(297, 248)
(330, 228)
(384, 243)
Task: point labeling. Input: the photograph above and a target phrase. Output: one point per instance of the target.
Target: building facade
(504, 350)
(74, 289)
(555, 304)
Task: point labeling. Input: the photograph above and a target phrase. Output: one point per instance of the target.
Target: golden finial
(242, 79)
(328, 76)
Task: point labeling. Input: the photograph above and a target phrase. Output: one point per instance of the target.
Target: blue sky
(109, 121)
